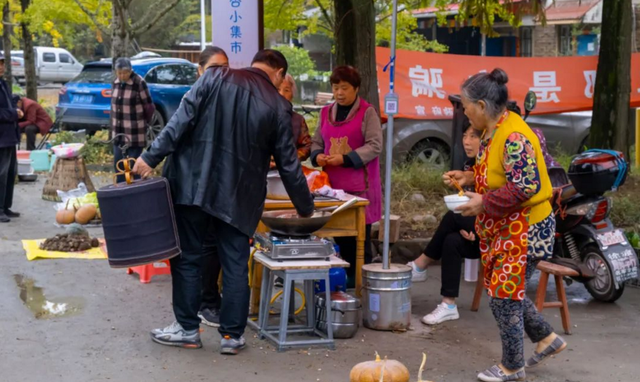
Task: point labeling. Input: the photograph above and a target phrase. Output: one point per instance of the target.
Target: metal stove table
(290, 271)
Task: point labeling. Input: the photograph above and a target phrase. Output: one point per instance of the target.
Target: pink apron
(364, 182)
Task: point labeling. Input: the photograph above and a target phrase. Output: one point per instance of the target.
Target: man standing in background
(9, 139)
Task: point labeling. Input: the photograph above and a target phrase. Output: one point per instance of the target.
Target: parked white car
(52, 65)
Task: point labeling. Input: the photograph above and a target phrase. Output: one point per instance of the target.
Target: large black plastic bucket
(138, 222)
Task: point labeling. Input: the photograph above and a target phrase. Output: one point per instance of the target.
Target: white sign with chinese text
(235, 29)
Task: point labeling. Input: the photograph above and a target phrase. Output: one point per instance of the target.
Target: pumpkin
(388, 370)
(86, 213)
(66, 215)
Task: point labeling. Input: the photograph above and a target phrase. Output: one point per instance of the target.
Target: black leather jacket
(219, 144)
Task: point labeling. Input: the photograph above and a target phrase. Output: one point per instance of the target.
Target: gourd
(66, 216)
(379, 371)
(86, 213)
(424, 360)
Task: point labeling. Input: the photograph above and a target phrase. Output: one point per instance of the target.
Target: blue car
(85, 102)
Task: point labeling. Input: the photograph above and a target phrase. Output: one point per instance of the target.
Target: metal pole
(388, 164)
(203, 26)
(483, 45)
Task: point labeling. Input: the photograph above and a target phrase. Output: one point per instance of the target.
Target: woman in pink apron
(347, 144)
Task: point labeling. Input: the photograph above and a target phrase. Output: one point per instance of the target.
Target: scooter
(586, 239)
(584, 232)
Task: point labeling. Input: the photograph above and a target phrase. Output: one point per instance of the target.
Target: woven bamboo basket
(66, 175)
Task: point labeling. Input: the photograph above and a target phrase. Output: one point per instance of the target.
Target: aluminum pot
(345, 314)
(275, 187)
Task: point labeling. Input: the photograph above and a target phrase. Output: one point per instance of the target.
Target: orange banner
(423, 81)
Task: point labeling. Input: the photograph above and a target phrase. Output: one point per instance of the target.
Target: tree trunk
(355, 37)
(610, 122)
(6, 44)
(120, 36)
(29, 57)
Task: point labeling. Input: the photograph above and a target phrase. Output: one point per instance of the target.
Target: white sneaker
(441, 314)
(417, 276)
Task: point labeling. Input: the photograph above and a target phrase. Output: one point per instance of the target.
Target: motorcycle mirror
(530, 101)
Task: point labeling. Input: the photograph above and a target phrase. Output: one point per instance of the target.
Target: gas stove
(279, 247)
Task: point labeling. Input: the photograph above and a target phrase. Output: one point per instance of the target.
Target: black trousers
(450, 247)
(31, 132)
(348, 247)
(186, 271)
(210, 272)
(8, 173)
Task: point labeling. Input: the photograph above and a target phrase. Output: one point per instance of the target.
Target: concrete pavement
(107, 338)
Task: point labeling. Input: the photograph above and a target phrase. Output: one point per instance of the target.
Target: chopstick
(456, 185)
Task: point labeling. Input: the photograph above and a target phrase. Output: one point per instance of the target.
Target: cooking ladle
(342, 207)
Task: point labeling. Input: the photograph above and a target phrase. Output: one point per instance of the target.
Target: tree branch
(325, 13)
(93, 16)
(141, 27)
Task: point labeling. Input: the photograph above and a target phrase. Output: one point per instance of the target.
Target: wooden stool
(558, 271)
(546, 268)
(477, 295)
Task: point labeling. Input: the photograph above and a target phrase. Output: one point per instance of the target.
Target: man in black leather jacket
(218, 147)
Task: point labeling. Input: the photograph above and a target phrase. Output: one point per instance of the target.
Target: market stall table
(350, 222)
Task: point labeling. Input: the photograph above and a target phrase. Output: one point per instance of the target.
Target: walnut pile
(69, 243)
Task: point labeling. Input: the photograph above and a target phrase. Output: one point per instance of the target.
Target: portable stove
(279, 247)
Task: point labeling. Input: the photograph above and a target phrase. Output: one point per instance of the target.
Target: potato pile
(69, 243)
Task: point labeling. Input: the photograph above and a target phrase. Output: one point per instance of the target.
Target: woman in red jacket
(35, 120)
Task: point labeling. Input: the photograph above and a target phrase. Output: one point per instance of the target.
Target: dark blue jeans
(186, 270)
(132, 152)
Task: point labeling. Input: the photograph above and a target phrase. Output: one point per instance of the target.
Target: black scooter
(586, 239)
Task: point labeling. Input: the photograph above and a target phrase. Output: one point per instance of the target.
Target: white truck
(52, 65)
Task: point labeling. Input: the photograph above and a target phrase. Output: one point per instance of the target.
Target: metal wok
(287, 222)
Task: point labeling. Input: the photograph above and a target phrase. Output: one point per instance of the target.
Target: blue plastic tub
(40, 160)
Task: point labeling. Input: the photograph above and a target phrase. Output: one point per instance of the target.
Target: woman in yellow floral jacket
(514, 221)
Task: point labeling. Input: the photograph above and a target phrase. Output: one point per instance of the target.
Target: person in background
(131, 111)
(9, 139)
(35, 120)
(218, 177)
(301, 136)
(454, 240)
(347, 145)
(209, 313)
(514, 221)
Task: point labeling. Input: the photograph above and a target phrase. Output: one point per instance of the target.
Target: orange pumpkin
(86, 213)
(66, 216)
(379, 371)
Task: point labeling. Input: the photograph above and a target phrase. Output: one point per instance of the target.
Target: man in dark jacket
(9, 139)
(218, 145)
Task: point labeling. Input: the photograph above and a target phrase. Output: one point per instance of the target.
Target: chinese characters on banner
(235, 29)
(425, 80)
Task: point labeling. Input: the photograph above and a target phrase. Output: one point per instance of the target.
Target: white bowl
(454, 201)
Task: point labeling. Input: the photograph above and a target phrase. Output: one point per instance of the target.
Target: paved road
(107, 338)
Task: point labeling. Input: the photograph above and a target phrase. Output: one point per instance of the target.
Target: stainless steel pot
(345, 314)
(275, 187)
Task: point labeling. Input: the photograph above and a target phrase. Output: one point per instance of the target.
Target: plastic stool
(146, 272)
